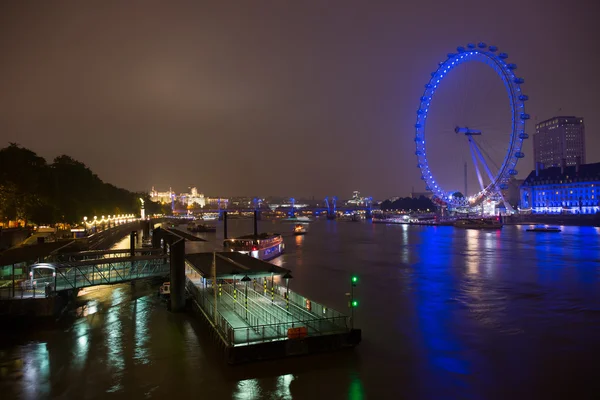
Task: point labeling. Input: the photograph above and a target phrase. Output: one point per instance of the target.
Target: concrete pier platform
(255, 319)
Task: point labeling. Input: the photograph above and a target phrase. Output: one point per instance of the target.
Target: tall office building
(558, 139)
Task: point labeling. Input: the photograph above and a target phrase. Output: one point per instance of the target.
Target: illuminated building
(557, 139)
(161, 197)
(562, 190)
(356, 199)
(193, 198)
(214, 201)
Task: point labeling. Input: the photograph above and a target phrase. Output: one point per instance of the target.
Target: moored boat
(479, 223)
(299, 229)
(544, 229)
(194, 227)
(263, 246)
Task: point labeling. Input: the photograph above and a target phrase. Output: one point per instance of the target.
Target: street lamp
(287, 278)
(234, 289)
(245, 279)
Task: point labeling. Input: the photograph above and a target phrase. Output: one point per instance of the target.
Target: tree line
(409, 204)
(64, 191)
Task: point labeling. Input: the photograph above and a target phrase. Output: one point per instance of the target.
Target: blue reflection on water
(434, 290)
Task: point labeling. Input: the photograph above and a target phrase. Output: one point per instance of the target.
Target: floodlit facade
(562, 190)
(161, 197)
(193, 198)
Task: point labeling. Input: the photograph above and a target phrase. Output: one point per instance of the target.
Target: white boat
(264, 246)
(297, 219)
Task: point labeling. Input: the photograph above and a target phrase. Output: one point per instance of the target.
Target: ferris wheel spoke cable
(485, 166)
(475, 164)
(482, 149)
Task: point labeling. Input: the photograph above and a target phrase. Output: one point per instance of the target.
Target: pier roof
(30, 253)
(232, 263)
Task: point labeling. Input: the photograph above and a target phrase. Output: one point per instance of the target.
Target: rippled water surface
(445, 313)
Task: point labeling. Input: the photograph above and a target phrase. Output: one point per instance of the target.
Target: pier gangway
(45, 279)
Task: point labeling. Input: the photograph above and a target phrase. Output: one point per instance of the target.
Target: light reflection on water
(445, 313)
(140, 311)
(114, 339)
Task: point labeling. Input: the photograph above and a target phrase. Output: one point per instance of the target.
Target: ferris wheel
(492, 181)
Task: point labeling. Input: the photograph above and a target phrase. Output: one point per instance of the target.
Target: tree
(23, 185)
(409, 204)
(65, 191)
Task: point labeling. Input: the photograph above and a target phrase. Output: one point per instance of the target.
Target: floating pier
(253, 313)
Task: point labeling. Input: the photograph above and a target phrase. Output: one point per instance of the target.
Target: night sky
(291, 98)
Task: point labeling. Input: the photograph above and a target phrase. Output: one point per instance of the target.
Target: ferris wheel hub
(467, 131)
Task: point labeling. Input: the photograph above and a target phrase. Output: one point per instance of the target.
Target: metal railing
(43, 282)
(100, 255)
(270, 313)
(253, 331)
(207, 306)
(272, 332)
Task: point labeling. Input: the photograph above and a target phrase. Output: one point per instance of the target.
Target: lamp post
(353, 303)
(234, 290)
(272, 287)
(287, 278)
(245, 279)
(85, 226)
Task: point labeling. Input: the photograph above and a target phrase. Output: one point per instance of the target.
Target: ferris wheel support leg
(487, 170)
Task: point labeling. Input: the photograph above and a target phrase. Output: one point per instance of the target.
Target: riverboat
(479, 223)
(194, 227)
(264, 246)
(544, 229)
(299, 229)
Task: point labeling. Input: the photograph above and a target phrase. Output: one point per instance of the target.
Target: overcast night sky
(291, 98)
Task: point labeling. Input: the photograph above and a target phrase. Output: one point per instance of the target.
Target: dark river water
(445, 313)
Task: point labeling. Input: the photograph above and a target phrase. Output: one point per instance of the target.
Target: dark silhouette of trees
(409, 204)
(64, 191)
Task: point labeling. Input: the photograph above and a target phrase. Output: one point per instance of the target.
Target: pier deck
(256, 313)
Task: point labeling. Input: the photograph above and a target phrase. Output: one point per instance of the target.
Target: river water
(445, 313)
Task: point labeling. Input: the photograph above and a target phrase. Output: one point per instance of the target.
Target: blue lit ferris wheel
(497, 181)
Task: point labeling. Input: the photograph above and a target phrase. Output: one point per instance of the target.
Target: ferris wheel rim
(497, 61)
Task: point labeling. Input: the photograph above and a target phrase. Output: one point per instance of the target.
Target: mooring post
(132, 237)
(178, 275)
(146, 229)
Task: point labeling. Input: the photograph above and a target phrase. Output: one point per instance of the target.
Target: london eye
(491, 152)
